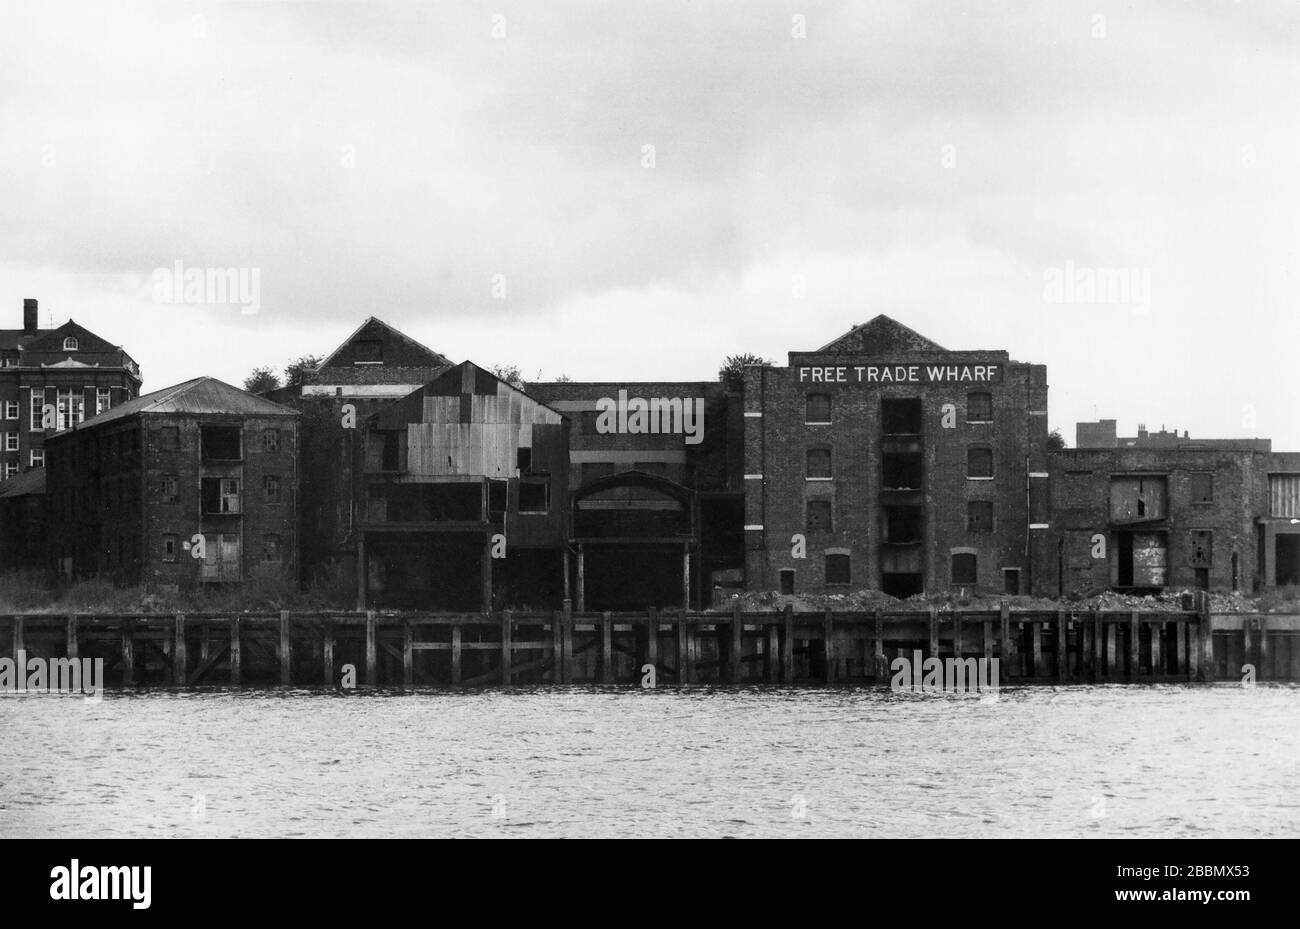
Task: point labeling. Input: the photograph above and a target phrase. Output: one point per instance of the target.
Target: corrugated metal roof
(197, 396)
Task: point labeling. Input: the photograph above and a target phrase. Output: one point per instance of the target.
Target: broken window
(169, 490)
(819, 516)
(1200, 549)
(979, 408)
(979, 462)
(271, 488)
(1202, 490)
(837, 569)
(220, 443)
(903, 524)
(964, 568)
(270, 440)
(901, 416)
(534, 496)
(901, 470)
(1137, 497)
(169, 548)
(819, 408)
(979, 516)
(819, 463)
(524, 460)
(220, 495)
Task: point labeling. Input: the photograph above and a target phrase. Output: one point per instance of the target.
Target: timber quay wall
(737, 647)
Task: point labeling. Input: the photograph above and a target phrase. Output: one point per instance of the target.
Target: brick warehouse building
(54, 378)
(883, 460)
(130, 492)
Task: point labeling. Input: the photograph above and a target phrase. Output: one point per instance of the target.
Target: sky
(633, 191)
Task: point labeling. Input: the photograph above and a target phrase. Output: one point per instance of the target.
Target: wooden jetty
(739, 647)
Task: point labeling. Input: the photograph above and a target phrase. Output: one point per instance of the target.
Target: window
(819, 516)
(11, 469)
(819, 464)
(271, 488)
(901, 416)
(169, 548)
(270, 440)
(169, 490)
(979, 408)
(902, 470)
(270, 548)
(534, 496)
(837, 569)
(11, 441)
(38, 409)
(963, 568)
(220, 443)
(1011, 581)
(819, 409)
(11, 409)
(103, 400)
(979, 462)
(38, 458)
(169, 438)
(979, 516)
(71, 408)
(1200, 550)
(904, 525)
(1202, 490)
(787, 581)
(70, 344)
(220, 495)
(524, 460)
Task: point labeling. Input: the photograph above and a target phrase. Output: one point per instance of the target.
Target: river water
(1177, 760)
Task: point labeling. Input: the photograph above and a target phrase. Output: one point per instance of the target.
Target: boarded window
(534, 496)
(979, 462)
(964, 568)
(901, 416)
(1137, 497)
(271, 488)
(1202, 489)
(979, 516)
(837, 569)
(1200, 548)
(979, 408)
(819, 462)
(1284, 495)
(819, 408)
(819, 516)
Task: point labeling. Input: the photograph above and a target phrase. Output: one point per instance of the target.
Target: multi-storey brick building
(51, 380)
(883, 460)
(194, 483)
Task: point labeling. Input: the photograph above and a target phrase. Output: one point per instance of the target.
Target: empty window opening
(819, 463)
(837, 569)
(534, 496)
(220, 443)
(1286, 551)
(902, 470)
(819, 409)
(1141, 559)
(901, 585)
(979, 516)
(903, 524)
(979, 462)
(901, 416)
(787, 581)
(524, 460)
(819, 516)
(1011, 581)
(964, 568)
(391, 451)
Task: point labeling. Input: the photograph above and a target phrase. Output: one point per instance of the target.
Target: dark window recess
(169, 548)
(903, 524)
(1011, 581)
(271, 487)
(901, 585)
(497, 498)
(168, 491)
(391, 459)
(169, 438)
(819, 462)
(819, 408)
(837, 569)
(534, 496)
(787, 581)
(979, 516)
(1203, 487)
(220, 443)
(524, 460)
(963, 568)
(368, 350)
(271, 548)
(979, 462)
(819, 516)
(901, 416)
(979, 408)
(902, 470)
(1200, 551)
(1202, 578)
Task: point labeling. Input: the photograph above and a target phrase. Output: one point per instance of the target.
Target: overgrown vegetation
(732, 372)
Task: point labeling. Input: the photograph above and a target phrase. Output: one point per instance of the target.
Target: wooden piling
(455, 654)
(128, 650)
(773, 654)
(934, 633)
(1062, 647)
(1263, 670)
(236, 658)
(507, 650)
(371, 663)
(1157, 633)
(787, 647)
(1247, 648)
(606, 648)
(327, 651)
(683, 650)
(566, 641)
(18, 644)
(72, 646)
(557, 647)
(1180, 648)
(1094, 649)
(986, 640)
(1208, 667)
(652, 638)
(882, 670)
(1036, 644)
(408, 654)
(179, 663)
(828, 646)
(1112, 635)
(737, 643)
(286, 651)
(1134, 646)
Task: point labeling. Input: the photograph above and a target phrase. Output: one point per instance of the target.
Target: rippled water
(1173, 760)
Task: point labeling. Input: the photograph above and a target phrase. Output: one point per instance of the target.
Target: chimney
(29, 315)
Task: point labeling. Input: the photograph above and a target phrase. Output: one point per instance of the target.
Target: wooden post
(956, 636)
(1004, 639)
(686, 577)
(566, 640)
(683, 650)
(1247, 647)
(1112, 635)
(408, 654)
(485, 575)
(773, 654)
(787, 647)
(582, 582)
(371, 663)
(934, 633)
(734, 671)
(557, 647)
(1180, 648)
(1209, 667)
(327, 651)
(1263, 670)
(1036, 644)
(455, 655)
(652, 638)
(178, 652)
(72, 637)
(1157, 633)
(285, 649)
(363, 579)
(882, 670)
(567, 593)
(1062, 647)
(235, 656)
(507, 649)
(606, 648)
(828, 647)
(128, 648)
(1134, 645)
(1089, 649)
(988, 640)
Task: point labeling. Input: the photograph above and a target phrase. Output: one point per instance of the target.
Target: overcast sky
(935, 162)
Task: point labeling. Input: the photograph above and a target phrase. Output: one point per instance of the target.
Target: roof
(194, 397)
(31, 481)
(435, 357)
(881, 335)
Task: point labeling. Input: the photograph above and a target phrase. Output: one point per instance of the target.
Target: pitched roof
(881, 335)
(435, 358)
(197, 396)
(31, 481)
